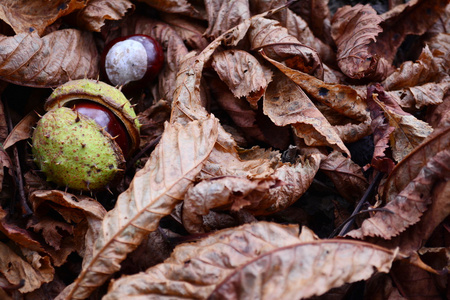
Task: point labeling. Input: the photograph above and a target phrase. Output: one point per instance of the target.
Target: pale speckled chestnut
(71, 148)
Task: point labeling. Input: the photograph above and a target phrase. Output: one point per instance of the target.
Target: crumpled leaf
(27, 16)
(28, 266)
(440, 47)
(346, 175)
(268, 259)
(243, 74)
(340, 98)
(49, 61)
(431, 93)
(354, 29)
(408, 169)
(408, 206)
(225, 192)
(411, 74)
(279, 45)
(153, 193)
(381, 133)
(223, 15)
(93, 16)
(286, 104)
(408, 132)
(175, 6)
(404, 20)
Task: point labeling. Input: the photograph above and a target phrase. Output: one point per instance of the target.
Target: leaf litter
(264, 113)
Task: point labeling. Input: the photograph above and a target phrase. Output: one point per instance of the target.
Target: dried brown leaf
(341, 98)
(93, 16)
(243, 74)
(153, 193)
(264, 255)
(354, 29)
(223, 15)
(175, 6)
(27, 16)
(346, 175)
(431, 93)
(49, 61)
(28, 266)
(411, 74)
(404, 20)
(408, 132)
(408, 206)
(286, 104)
(22, 130)
(279, 45)
(440, 47)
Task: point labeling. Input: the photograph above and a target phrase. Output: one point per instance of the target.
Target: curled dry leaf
(408, 132)
(440, 47)
(226, 192)
(243, 74)
(223, 15)
(404, 20)
(409, 168)
(354, 29)
(431, 93)
(153, 193)
(346, 175)
(175, 6)
(271, 259)
(28, 266)
(93, 16)
(278, 44)
(286, 104)
(411, 74)
(340, 98)
(49, 61)
(408, 206)
(28, 16)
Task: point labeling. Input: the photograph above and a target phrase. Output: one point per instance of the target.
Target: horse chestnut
(135, 59)
(86, 135)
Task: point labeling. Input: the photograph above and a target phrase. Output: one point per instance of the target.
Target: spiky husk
(65, 146)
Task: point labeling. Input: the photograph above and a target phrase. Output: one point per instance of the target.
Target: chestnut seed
(106, 119)
(132, 60)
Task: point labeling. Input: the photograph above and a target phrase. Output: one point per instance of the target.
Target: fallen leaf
(340, 98)
(408, 132)
(278, 44)
(223, 15)
(25, 16)
(286, 104)
(49, 61)
(191, 32)
(22, 130)
(175, 6)
(28, 266)
(354, 29)
(263, 255)
(93, 16)
(409, 205)
(346, 175)
(431, 93)
(153, 193)
(243, 74)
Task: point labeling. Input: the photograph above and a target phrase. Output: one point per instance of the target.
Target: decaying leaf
(223, 15)
(28, 266)
(286, 104)
(266, 259)
(408, 132)
(49, 61)
(431, 93)
(340, 98)
(175, 6)
(27, 16)
(354, 29)
(93, 16)
(408, 206)
(243, 74)
(153, 193)
(346, 175)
